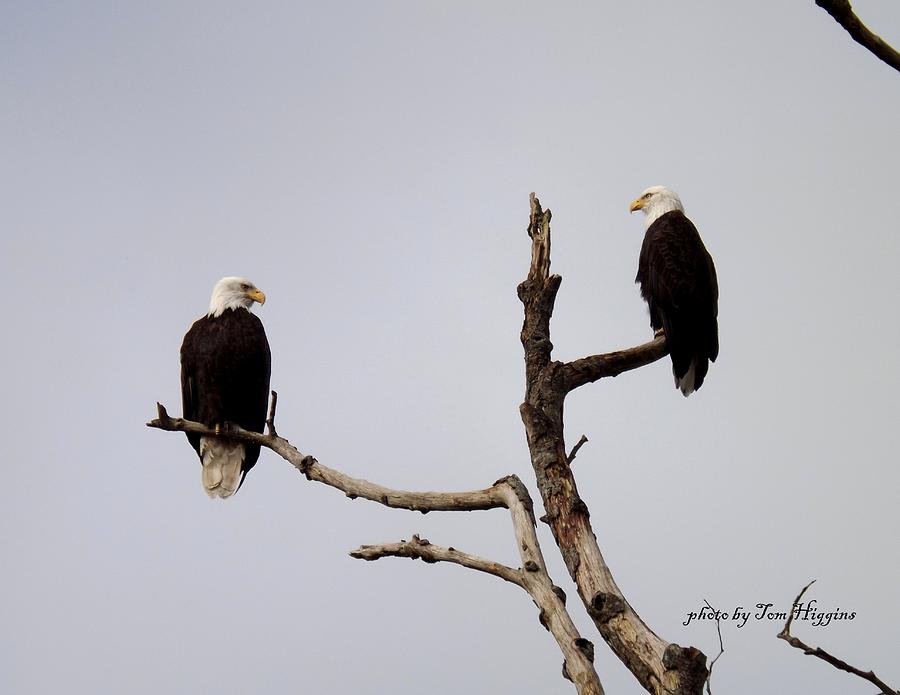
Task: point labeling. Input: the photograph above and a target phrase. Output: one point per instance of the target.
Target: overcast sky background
(368, 165)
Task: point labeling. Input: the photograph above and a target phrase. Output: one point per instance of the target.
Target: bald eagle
(225, 367)
(678, 281)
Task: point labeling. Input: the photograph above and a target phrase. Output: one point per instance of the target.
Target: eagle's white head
(233, 293)
(656, 201)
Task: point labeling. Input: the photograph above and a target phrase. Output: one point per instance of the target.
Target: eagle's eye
(245, 286)
(647, 195)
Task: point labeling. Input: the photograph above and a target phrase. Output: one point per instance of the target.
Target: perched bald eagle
(678, 280)
(225, 367)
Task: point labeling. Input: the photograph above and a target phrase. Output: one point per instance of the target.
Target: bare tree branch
(533, 577)
(352, 487)
(659, 666)
(589, 369)
(507, 493)
(422, 549)
(843, 14)
(578, 652)
(785, 634)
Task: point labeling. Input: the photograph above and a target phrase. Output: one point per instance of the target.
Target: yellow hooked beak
(257, 296)
(636, 205)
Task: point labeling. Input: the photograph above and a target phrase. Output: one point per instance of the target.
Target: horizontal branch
(507, 493)
(424, 502)
(589, 369)
(422, 549)
(785, 634)
(843, 14)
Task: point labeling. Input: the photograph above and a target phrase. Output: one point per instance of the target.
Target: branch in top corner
(843, 14)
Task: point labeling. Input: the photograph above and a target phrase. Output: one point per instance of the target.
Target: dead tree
(661, 667)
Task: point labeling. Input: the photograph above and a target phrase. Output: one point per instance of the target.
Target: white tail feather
(221, 466)
(686, 383)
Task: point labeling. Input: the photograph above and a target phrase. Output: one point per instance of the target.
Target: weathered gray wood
(507, 493)
(352, 487)
(422, 549)
(578, 653)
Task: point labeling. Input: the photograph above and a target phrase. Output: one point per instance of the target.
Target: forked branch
(785, 634)
(659, 666)
(533, 577)
(507, 493)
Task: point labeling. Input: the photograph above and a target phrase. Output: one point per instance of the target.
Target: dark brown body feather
(678, 281)
(225, 369)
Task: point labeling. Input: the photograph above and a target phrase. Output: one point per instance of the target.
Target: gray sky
(368, 166)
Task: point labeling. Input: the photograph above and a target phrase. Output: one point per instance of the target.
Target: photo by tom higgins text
(763, 611)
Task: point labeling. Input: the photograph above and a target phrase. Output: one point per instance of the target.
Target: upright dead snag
(660, 667)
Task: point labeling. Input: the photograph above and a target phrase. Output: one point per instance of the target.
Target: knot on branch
(521, 492)
(605, 606)
(687, 665)
(306, 463)
(579, 507)
(571, 558)
(417, 549)
(586, 647)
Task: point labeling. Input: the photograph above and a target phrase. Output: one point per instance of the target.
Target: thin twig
(581, 443)
(721, 646)
(843, 14)
(270, 422)
(785, 634)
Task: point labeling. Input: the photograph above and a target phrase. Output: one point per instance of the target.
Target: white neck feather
(227, 296)
(660, 203)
